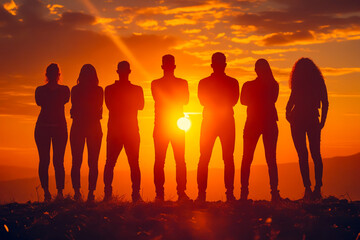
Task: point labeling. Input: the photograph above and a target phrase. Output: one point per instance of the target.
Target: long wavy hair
(263, 70)
(306, 77)
(52, 73)
(88, 76)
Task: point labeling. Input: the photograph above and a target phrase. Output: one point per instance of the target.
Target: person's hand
(322, 124)
(288, 116)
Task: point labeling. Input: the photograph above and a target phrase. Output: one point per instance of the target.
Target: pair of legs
(299, 130)
(44, 136)
(92, 135)
(252, 132)
(162, 138)
(210, 130)
(115, 142)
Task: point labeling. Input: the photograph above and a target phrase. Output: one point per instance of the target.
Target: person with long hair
(260, 96)
(51, 128)
(86, 112)
(308, 94)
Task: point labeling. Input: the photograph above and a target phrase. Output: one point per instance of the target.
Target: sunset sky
(35, 33)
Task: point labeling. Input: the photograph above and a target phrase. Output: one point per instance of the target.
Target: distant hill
(341, 179)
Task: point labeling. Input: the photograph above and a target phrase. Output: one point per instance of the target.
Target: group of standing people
(218, 94)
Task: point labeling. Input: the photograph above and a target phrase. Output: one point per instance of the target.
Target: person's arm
(73, 100)
(141, 100)
(235, 93)
(275, 92)
(244, 97)
(100, 101)
(154, 91)
(202, 94)
(185, 96)
(324, 106)
(289, 106)
(38, 97)
(108, 99)
(66, 94)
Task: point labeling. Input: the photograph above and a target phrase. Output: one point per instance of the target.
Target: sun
(184, 123)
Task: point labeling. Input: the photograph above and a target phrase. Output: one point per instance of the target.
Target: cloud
(288, 38)
(77, 19)
(179, 21)
(277, 51)
(329, 71)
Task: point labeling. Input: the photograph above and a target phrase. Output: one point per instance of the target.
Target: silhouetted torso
(305, 104)
(170, 96)
(87, 102)
(260, 96)
(218, 94)
(52, 103)
(123, 99)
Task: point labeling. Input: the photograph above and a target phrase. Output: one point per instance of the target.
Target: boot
(77, 195)
(183, 197)
(275, 196)
(316, 195)
(91, 196)
(244, 194)
(201, 197)
(307, 194)
(47, 196)
(136, 198)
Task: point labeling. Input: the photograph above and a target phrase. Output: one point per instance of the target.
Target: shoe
(90, 197)
(275, 196)
(201, 198)
(136, 198)
(107, 197)
(77, 196)
(230, 198)
(59, 196)
(47, 196)
(159, 199)
(316, 195)
(182, 197)
(308, 194)
(244, 195)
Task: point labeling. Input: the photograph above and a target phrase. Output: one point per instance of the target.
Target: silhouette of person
(51, 129)
(86, 112)
(260, 96)
(124, 100)
(218, 93)
(308, 94)
(170, 95)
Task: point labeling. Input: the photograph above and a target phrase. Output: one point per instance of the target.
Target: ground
(329, 219)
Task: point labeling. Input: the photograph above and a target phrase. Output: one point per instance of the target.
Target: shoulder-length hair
(263, 70)
(88, 75)
(52, 73)
(306, 75)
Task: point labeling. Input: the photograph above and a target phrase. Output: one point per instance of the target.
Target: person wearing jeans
(51, 129)
(86, 112)
(308, 94)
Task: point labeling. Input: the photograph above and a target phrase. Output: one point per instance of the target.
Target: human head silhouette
(123, 69)
(263, 70)
(305, 74)
(88, 75)
(218, 62)
(52, 73)
(168, 63)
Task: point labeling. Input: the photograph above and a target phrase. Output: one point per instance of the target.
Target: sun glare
(184, 123)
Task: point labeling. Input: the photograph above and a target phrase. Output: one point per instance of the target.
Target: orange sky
(34, 33)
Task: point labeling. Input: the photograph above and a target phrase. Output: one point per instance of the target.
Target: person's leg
(227, 139)
(314, 134)
(270, 137)
(178, 145)
(113, 148)
(161, 143)
(132, 145)
(298, 134)
(250, 138)
(94, 137)
(207, 140)
(43, 140)
(59, 140)
(77, 142)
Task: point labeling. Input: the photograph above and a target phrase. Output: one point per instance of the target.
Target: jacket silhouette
(86, 112)
(170, 95)
(51, 129)
(308, 94)
(260, 96)
(218, 93)
(124, 100)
